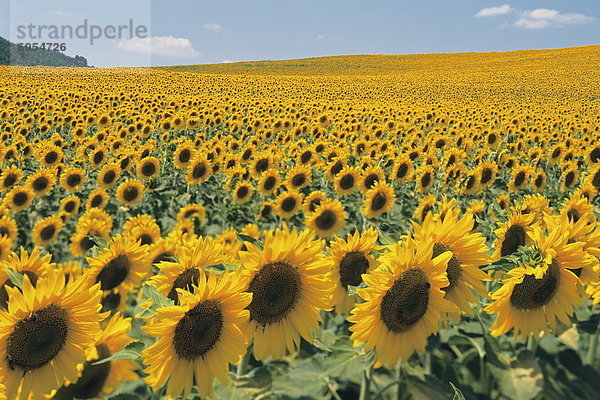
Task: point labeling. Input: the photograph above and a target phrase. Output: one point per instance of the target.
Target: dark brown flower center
(114, 272)
(37, 339)
(347, 181)
(326, 220)
(148, 169)
(73, 180)
(453, 270)
(406, 301)
(379, 201)
(513, 239)
(48, 232)
(184, 281)
(275, 291)
(130, 193)
(288, 204)
(533, 293)
(199, 171)
(352, 266)
(199, 330)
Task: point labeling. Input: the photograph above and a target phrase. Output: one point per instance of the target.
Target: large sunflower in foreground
(198, 338)
(44, 333)
(352, 258)
(124, 263)
(533, 297)
(185, 272)
(290, 282)
(96, 380)
(403, 303)
(469, 252)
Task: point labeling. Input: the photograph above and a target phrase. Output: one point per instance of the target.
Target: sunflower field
(357, 227)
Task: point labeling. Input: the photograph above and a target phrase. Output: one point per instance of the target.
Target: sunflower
(72, 179)
(148, 167)
(46, 230)
(570, 176)
(108, 176)
(185, 272)
(192, 212)
(533, 297)
(44, 333)
(313, 200)
(539, 180)
(512, 234)
(183, 155)
(370, 177)
(130, 192)
(198, 338)
(404, 301)
(97, 379)
(33, 265)
(327, 219)
(88, 226)
(8, 227)
(468, 251)
(19, 198)
(298, 177)
(142, 228)
(266, 210)
(50, 156)
(288, 203)
(198, 170)
(70, 205)
(352, 258)
(487, 172)
(576, 207)
(10, 177)
(124, 263)
(243, 192)
(403, 170)
(42, 181)
(269, 180)
(346, 181)
(425, 178)
(584, 231)
(290, 281)
(426, 206)
(6, 245)
(98, 198)
(520, 177)
(378, 200)
(535, 204)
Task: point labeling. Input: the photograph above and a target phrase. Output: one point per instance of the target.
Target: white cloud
(320, 37)
(168, 46)
(545, 18)
(213, 27)
(494, 11)
(227, 61)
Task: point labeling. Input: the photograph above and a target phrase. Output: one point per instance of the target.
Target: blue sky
(206, 31)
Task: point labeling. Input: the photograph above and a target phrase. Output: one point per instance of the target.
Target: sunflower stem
(400, 377)
(593, 348)
(365, 384)
(242, 366)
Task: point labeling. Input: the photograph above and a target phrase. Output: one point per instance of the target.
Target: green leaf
(15, 277)
(523, 379)
(385, 238)
(247, 238)
(570, 338)
(132, 351)
(99, 241)
(352, 289)
(457, 393)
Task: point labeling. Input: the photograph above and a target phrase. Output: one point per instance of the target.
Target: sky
(206, 31)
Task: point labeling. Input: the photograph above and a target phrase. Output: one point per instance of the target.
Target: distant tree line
(11, 54)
